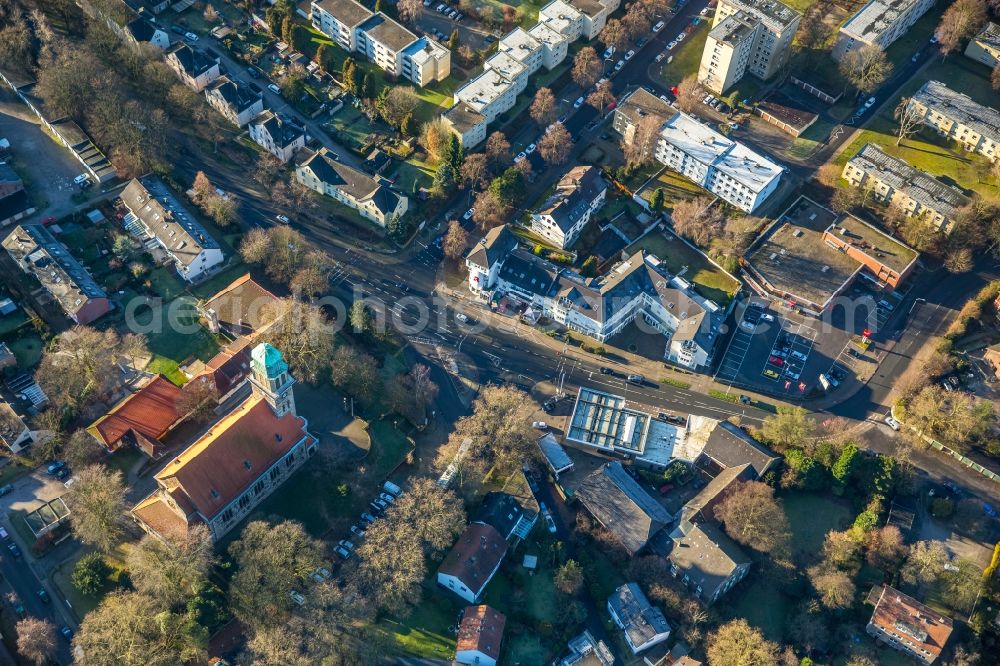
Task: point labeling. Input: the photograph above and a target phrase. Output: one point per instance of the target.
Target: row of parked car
(390, 493)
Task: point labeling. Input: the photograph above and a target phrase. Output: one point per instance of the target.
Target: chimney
(213, 320)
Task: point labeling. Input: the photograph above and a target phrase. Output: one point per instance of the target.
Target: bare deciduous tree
(602, 97)
(835, 587)
(615, 34)
(688, 97)
(963, 19)
(490, 211)
(866, 68)
(36, 640)
(587, 67)
(736, 642)
(909, 119)
(697, 220)
(97, 505)
(409, 10)
(556, 145)
(639, 150)
(543, 108)
(455, 240)
(498, 151)
(475, 170)
(752, 516)
(172, 568)
(925, 562)
(499, 430)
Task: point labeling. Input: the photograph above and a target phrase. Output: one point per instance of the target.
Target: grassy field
(811, 517)
(27, 349)
(675, 188)
(926, 150)
(411, 175)
(709, 281)
(425, 632)
(176, 340)
(529, 9)
(79, 602)
(687, 56)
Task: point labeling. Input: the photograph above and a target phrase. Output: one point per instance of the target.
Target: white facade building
(724, 167)
(579, 194)
(879, 23)
(959, 117)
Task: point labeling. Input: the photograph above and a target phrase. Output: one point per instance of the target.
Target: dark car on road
(607, 371)
(14, 550)
(55, 466)
(44, 596)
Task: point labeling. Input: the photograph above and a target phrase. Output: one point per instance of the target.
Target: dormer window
(215, 493)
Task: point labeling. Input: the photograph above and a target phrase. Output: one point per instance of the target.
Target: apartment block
(194, 68)
(526, 49)
(278, 134)
(748, 36)
(593, 16)
(636, 106)
(235, 100)
(381, 40)
(878, 23)
(893, 181)
(724, 167)
(985, 47)
(555, 45)
(579, 194)
(959, 118)
(373, 199)
(563, 18)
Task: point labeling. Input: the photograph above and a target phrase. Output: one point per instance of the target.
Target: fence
(948, 451)
(814, 91)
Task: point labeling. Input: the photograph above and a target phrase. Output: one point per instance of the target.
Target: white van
(824, 382)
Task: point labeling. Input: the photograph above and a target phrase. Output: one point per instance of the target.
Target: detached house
(374, 200)
(579, 194)
(479, 636)
(235, 100)
(277, 134)
(238, 462)
(157, 217)
(905, 624)
(508, 515)
(472, 561)
(194, 68)
(143, 29)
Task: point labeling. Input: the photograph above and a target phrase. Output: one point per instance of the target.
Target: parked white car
(892, 423)
(540, 425)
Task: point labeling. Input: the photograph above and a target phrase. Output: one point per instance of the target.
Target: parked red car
(666, 488)
(776, 361)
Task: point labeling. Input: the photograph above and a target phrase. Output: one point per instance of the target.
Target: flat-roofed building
(373, 199)
(893, 181)
(426, 61)
(785, 114)
(524, 48)
(563, 18)
(634, 107)
(985, 47)
(555, 45)
(579, 194)
(706, 560)
(382, 41)
(510, 69)
(643, 624)
(878, 23)
(339, 20)
(490, 94)
(468, 124)
(194, 68)
(722, 166)
(812, 255)
(594, 15)
(959, 117)
(37, 252)
(157, 215)
(905, 624)
(747, 36)
(235, 100)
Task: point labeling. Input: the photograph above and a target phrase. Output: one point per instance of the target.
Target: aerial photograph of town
(499, 333)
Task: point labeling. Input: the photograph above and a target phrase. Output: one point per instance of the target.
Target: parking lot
(779, 351)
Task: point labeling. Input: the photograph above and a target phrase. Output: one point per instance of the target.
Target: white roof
(483, 90)
(547, 35)
(505, 64)
(558, 9)
(711, 148)
(519, 44)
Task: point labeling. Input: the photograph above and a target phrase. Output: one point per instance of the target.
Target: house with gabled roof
(472, 562)
(479, 636)
(579, 194)
(157, 215)
(374, 199)
(642, 623)
(141, 419)
(278, 134)
(195, 69)
(238, 462)
(235, 100)
(242, 308)
(622, 507)
(513, 517)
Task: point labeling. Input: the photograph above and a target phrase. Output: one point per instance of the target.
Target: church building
(238, 462)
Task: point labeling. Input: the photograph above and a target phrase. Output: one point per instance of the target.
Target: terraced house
(959, 117)
(237, 463)
(893, 181)
(374, 200)
(381, 40)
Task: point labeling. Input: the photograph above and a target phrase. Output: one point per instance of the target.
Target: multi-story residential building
(636, 106)
(878, 23)
(642, 623)
(985, 47)
(489, 94)
(374, 200)
(563, 18)
(959, 118)
(600, 307)
(579, 194)
(382, 40)
(706, 560)
(339, 20)
(524, 48)
(752, 36)
(555, 45)
(156, 215)
(510, 68)
(593, 16)
(893, 181)
(468, 124)
(724, 167)
(426, 61)
(143, 29)
(278, 134)
(237, 463)
(235, 100)
(194, 68)
(37, 252)
(909, 626)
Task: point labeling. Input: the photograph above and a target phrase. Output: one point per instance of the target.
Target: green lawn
(411, 175)
(425, 632)
(811, 517)
(687, 55)
(675, 188)
(800, 5)
(529, 9)
(676, 256)
(79, 602)
(901, 50)
(761, 605)
(11, 322)
(177, 338)
(27, 349)
(165, 283)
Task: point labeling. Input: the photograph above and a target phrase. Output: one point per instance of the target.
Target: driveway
(47, 168)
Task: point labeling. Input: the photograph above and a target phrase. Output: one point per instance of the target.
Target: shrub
(942, 507)
(89, 574)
